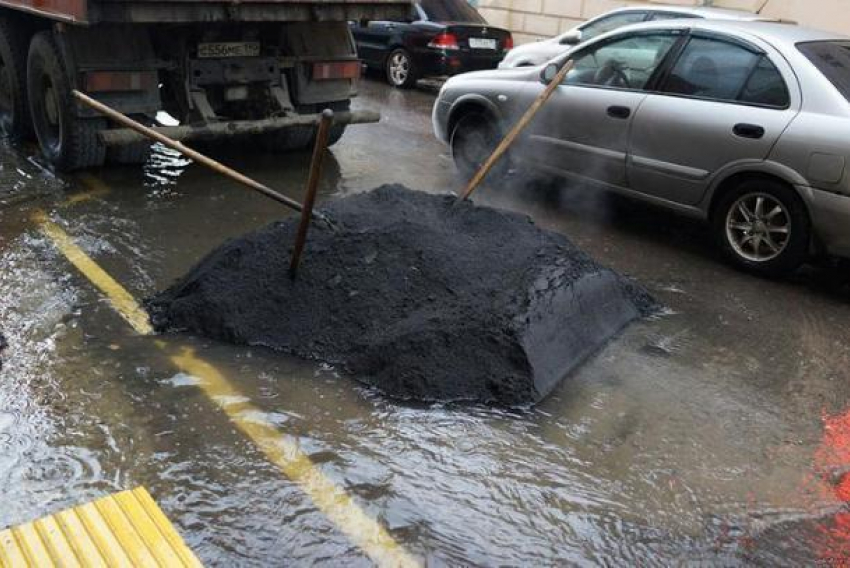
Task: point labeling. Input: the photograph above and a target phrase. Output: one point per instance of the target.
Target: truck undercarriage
(261, 71)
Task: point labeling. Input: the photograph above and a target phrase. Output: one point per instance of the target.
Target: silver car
(537, 53)
(744, 124)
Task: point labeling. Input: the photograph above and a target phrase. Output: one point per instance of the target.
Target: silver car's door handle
(753, 131)
(620, 112)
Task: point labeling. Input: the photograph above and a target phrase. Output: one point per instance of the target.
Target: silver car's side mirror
(571, 38)
(549, 73)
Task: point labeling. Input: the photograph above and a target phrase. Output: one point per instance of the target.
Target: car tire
(335, 134)
(473, 139)
(130, 155)
(15, 120)
(400, 69)
(763, 227)
(292, 139)
(67, 141)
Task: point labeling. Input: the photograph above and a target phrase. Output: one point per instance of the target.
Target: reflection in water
(163, 169)
(40, 468)
(832, 464)
(22, 180)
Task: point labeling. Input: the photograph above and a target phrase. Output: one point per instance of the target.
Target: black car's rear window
(832, 58)
(451, 11)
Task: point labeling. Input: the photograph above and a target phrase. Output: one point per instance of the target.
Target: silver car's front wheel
(763, 226)
(758, 227)
(473, 139)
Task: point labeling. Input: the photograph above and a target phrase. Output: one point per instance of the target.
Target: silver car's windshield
(832, 58)
(610, 23)
(451, 11)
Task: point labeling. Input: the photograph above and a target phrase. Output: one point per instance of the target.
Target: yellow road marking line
(284, 451)
(281, 449)
(96, 188)
(120, 299)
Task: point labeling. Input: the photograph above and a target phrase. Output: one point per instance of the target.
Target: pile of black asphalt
(415, 294)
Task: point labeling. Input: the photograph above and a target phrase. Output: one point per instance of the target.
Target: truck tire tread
(80, 147)
(133, 154)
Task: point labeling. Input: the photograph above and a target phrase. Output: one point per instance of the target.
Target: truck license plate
(229, 49)
(482, 43)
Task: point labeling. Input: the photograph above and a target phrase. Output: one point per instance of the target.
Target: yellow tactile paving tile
(126, 529)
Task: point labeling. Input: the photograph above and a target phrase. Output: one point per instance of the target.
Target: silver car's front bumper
(440, 119)
(830, 214)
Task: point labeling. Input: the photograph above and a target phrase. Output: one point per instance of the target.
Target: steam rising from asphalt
(519, 173)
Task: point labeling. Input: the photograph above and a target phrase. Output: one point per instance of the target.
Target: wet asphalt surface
(718, 432)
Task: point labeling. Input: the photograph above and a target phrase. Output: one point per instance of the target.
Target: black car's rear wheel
(400, 70)
(473, 139)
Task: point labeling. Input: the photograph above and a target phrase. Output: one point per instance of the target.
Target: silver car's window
(832, 58)
(711, 69)
(451, 11)
(660, 16)
(765, 86)
(610, 23)
(625, 63)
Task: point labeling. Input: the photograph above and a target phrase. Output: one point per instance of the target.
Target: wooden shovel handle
(514, 133)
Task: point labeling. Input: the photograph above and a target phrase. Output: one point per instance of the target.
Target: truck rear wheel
(304, 137)
(289, 140)
(14, 108)
(132, 154)
(67, 141)
(299, 138)
(335, 134)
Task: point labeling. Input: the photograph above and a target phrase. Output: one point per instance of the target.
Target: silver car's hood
(534, 47)
(533, 53)
(518, 74)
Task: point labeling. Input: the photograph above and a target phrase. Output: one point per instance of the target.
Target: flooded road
(719, 432)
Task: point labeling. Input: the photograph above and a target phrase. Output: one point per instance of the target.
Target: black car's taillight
(444, 40)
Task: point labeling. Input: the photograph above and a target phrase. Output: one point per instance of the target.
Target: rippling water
(41, 465)
(712, 434)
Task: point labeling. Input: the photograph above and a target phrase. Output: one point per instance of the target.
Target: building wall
(531, 20)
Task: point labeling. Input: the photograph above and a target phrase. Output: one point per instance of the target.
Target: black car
(441, 37)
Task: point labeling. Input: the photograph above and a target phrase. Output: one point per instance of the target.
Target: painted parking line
(94, 188)
(281, 449)
(120, 299)
(285, 452)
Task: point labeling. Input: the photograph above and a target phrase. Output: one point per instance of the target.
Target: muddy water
(698, 436)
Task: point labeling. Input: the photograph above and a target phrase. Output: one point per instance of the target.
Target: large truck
(264, 69)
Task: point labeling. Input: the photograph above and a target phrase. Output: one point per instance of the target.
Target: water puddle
(716, 433)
